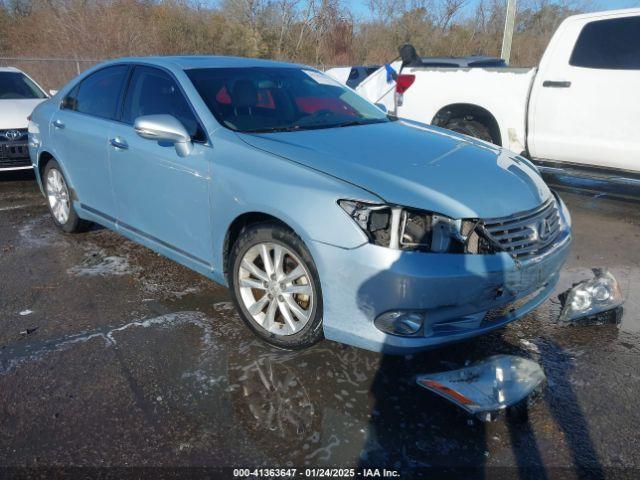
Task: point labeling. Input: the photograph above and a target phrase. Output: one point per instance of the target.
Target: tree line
(314, 32)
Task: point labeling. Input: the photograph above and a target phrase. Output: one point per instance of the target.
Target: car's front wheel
(59, 200)
(276, 287)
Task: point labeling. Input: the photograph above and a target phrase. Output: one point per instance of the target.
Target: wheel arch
(43, 158)
(240, 223)
(477, 112)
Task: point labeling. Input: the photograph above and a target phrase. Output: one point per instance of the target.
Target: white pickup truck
(580, 107)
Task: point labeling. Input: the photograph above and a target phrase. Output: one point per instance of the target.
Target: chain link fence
(50, 73)
(54, 73)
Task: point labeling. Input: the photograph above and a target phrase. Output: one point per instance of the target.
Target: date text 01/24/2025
(315, 473)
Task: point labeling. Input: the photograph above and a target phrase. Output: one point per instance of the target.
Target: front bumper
(462, 295)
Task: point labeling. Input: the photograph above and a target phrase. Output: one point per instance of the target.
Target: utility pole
(508, 30)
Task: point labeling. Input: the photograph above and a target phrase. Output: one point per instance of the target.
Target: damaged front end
(410, 229)
(523, 236)
(424, 279)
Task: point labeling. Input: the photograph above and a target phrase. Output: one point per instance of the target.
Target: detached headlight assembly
(410, 229)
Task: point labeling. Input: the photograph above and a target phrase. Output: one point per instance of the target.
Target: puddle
(39, 232)
(21, 352)
(97, 262)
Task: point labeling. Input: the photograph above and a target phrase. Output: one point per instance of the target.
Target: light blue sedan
(324, 216)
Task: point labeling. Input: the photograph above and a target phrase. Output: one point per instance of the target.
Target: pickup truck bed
(579, 107)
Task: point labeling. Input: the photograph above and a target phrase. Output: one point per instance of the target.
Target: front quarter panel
(246, 180)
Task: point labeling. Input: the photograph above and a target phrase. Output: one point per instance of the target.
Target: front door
(584, 106)
(160, 195)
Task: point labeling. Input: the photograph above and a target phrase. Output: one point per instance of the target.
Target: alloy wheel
(58, 196)
(276, 288)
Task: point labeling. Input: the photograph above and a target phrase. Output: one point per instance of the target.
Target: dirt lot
(111, 355)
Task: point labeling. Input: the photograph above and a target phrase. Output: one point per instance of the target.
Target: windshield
(17, 86)
(280, 99)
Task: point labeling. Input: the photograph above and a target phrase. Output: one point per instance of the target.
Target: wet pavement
(111, 355)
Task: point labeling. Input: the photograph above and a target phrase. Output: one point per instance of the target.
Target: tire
(472, 128)
(271, 294)
(59, 197)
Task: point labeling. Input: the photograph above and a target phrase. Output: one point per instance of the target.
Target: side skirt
(159, 246)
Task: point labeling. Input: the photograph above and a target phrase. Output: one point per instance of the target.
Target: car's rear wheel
(276, 287)
(59, 200)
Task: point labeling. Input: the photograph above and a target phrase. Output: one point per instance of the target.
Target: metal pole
(508, 30)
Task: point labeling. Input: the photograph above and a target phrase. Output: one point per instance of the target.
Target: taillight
(404, 82)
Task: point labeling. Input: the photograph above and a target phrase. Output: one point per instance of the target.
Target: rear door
(585, 102)
(161, 196)
(80, 133)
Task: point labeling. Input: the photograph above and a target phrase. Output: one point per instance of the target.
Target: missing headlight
(416, 230)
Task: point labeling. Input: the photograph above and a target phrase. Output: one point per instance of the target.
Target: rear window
(99, 94)
(17, 86)
(609, 44)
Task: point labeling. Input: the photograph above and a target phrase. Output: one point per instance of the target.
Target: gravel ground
(111, 355)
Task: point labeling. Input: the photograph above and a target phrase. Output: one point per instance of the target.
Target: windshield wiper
(293, 128)
(353, 123)
(290, 128)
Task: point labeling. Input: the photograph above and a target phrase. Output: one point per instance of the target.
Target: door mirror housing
(164, 128)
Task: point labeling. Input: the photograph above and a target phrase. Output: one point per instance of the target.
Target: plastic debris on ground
(594, 301)
(489, 386)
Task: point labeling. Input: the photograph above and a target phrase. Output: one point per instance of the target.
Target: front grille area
(14, 135)
(526, 234)
(14, 162)
(14, 150)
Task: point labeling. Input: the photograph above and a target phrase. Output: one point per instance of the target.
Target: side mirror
(164, 128)
(382, 107)
(52, 92)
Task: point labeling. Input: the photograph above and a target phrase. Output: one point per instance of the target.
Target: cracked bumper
(455, 291)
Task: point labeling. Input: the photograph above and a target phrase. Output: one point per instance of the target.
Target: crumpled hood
(410, 164)
(14, 113)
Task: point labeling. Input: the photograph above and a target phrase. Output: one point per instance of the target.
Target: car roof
(10, 69)
(188, 62)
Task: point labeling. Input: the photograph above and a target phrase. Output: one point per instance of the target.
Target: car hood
(14, 113)
(415, 165)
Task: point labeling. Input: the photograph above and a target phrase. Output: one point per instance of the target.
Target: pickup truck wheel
(59, 200)
(472, 128)
(275, 286)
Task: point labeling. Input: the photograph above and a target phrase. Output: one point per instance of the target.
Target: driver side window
(154, 92)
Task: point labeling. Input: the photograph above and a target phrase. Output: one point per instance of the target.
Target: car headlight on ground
(404, 228)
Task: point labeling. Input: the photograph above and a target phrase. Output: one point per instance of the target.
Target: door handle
(556, 84)
(58, 123)
(118, 143)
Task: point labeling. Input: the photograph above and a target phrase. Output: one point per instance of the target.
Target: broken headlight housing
(403, 228)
